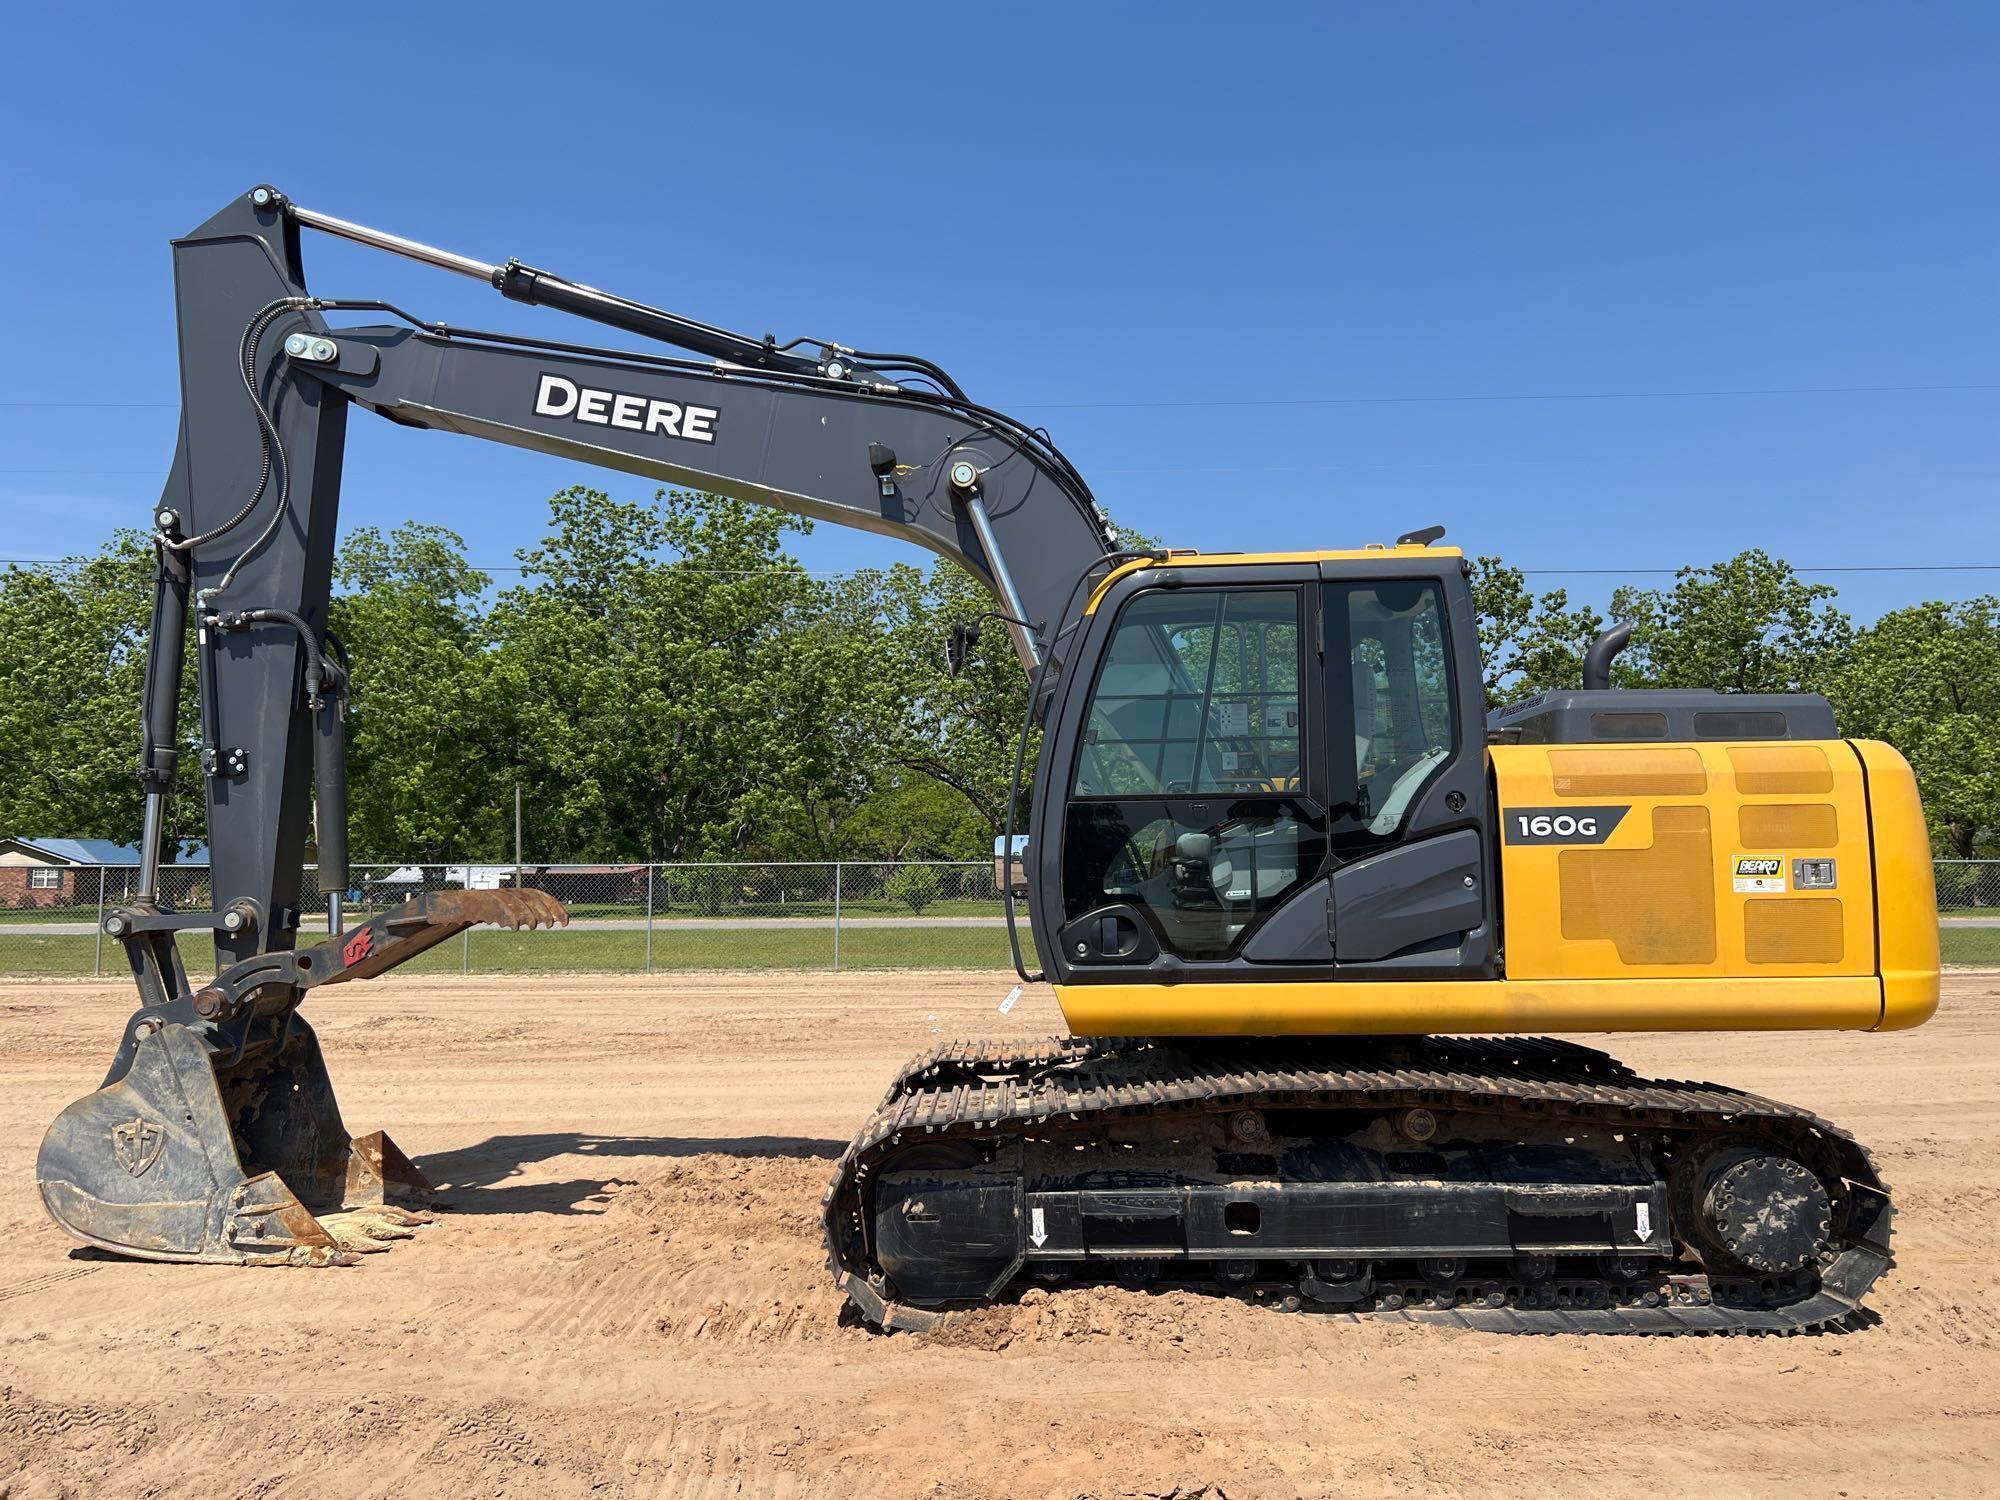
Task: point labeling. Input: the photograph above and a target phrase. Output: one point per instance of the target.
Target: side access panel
(1738, 861)
(1419, 907)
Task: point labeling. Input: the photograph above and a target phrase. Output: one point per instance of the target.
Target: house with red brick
(60, 872)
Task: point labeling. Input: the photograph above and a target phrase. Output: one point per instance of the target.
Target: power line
(711, 572)
(1178, 402)
(1784, 390)
(1595, 571)
(1649, 461)
(1837, 568)
(52, 563)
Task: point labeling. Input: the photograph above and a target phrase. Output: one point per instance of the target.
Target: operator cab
(1269, 767)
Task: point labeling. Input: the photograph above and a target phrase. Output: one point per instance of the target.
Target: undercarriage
(1520, 1185)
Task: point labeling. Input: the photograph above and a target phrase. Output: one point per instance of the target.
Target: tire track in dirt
(710, 1454)
(713, 1249)
(44, 1281)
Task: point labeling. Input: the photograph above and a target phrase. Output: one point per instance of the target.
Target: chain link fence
(624, 918)
(644, 918)
(1969, 889)
(1968, 893)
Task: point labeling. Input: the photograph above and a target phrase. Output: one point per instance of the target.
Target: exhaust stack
(1597, 660)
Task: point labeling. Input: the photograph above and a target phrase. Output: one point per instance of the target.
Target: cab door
(1411, 884)
(1190, 822)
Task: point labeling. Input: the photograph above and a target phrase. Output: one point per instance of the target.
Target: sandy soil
(627, 1297)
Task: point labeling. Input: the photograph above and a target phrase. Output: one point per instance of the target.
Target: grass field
(595, 951)
(870, 906)
(1971, 947)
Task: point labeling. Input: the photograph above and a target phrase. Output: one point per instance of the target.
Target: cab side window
(1399, 699)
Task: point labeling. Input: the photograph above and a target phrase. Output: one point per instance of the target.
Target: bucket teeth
(514, 908)
(267, 1225)
(369, 1231)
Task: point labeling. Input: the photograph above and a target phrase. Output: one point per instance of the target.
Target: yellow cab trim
(1191, 559)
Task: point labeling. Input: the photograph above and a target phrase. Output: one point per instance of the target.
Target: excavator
(1308, 908)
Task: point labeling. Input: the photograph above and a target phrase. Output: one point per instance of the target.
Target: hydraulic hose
(267, 439)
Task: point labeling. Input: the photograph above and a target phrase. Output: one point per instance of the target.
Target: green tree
(839, 813)
(960, 731)
(1927, 680)
(1748, 625)
(425, 764)
(71, 678)
(916, 886)
(912, 816)
(1528, 643)
(665, 684)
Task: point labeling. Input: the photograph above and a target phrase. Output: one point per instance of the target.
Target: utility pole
(517, 832)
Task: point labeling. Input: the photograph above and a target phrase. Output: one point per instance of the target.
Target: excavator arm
(215, 1135)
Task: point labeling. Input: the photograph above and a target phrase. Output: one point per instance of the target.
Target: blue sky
(1200, 244)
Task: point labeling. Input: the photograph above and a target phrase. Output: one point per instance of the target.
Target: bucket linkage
(215, 1136)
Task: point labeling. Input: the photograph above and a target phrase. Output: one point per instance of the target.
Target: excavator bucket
(216, 1137)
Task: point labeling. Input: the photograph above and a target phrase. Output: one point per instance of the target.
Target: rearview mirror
(1010, 865)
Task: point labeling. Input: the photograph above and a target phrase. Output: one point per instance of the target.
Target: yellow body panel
(1906, 890)
(1662, 897)
(1657, 927)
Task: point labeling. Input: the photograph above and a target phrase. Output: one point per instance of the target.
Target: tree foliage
(72, 662)
(1748, 625)
(421, 751)
(1528, 643)
(666, 682)
(672, 707)
(1927, 680)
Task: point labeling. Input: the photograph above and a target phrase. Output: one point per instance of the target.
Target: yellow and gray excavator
(1306, 906)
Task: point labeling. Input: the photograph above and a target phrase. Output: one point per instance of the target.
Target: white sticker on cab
(1759, 875)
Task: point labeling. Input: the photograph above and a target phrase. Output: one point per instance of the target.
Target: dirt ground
(627, 1296)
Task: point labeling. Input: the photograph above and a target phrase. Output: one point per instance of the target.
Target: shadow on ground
(475, 1179)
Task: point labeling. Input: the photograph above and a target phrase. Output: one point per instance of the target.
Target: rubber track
(976, 1089)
